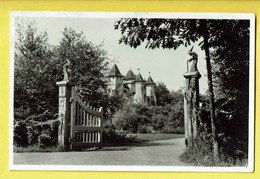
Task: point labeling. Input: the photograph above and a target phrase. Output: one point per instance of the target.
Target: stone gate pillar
(64, 113)
(191, 100)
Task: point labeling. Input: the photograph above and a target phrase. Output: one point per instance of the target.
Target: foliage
(41, 129)
(88, 65)
(37, 68)
(34, 70)
(171, 33)
(148, 118)
(20, 134)
(163, 95)
(231, 67)
(201, 153)
(126, 118)
(111, 137)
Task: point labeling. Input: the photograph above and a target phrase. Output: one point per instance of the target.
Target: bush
(20, 134)
(143, 129)
(145, 119)
(173, 130)
(201, 153)
(37, 130)
(112, 137)
(44, 140)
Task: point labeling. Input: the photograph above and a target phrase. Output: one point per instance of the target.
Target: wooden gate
(80, 124)
(85, 124)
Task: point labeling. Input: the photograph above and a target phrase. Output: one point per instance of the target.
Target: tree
(171, 33)
(88, 65)
(37, 68)
(163, 95)
(34, 70)
(231, 68)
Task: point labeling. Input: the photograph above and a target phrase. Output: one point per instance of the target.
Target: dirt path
(156, 153)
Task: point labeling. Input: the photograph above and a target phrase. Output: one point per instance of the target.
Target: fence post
(191, 106)
(64, 114)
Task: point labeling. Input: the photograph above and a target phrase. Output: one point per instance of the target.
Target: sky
(164, 65)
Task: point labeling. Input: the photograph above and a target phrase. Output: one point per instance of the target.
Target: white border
(241, 16)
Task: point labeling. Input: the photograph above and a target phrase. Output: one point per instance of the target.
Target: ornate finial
(138, 70)
(65, 71)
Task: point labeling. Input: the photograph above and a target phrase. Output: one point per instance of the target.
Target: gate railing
(86, 124)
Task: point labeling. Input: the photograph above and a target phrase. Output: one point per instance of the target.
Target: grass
(154, 137)
(201, 154)
(36, 148)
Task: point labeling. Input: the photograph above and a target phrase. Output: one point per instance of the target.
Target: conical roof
(130, 75)
(139, 78)
(149, 81)
(114, 71)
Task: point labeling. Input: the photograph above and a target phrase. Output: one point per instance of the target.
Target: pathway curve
(156, 153)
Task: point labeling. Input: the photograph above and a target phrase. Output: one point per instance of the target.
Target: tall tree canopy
(88, 65)
(38, 66)
(34, 69)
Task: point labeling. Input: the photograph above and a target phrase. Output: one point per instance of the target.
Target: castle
(132, 86)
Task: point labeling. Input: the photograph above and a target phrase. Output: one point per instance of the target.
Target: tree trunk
(211, 96)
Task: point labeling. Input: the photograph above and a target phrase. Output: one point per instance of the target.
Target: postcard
(132, 91)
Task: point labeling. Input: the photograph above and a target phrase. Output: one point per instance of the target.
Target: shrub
(126, 118)
(113, 137)
(200, 153)
(36, 130)
(20, 134)
(44, 140)
(173, 130)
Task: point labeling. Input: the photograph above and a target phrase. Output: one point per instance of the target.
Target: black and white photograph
(132, 91)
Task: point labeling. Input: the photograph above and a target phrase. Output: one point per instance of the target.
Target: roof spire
(114, 71)
(150, 80)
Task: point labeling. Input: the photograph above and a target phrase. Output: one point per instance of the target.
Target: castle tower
(150, 93)
(140, 89)
(129, 83)
(115, 79)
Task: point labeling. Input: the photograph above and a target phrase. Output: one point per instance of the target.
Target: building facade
(133, 86)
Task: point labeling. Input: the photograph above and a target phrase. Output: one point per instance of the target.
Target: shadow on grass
(139, 143)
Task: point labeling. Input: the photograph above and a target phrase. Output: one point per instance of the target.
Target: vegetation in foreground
(200, 154)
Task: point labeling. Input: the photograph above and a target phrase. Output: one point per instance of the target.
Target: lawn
(154, 137)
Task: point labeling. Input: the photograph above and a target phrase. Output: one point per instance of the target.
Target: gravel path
(156, 153)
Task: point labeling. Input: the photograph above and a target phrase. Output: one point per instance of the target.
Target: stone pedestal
(64, 113)
(191, 106)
